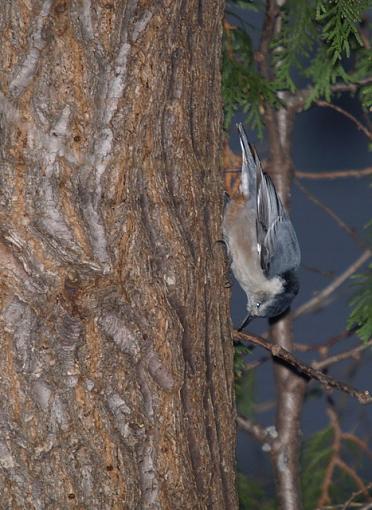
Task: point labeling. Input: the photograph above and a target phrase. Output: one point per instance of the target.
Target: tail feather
(250, 162)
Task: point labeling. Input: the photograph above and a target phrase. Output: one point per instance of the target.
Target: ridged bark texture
(116, 365)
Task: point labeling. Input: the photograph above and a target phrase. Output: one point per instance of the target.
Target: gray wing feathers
(280, 251)
(268, 203)
(269, 207)
(276, 239)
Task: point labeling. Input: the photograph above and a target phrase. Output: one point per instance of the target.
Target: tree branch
(351, 87)
(336, 447)
(346, 505)
(290, 360)
(255, 364)
(342, 174)
(337, 461)
(262, 56)
(317, 176)
(324, 347)
(318, 300)
(352, 353)
(350, 232)
(348, 115)
(353, 475)
(347, 436)
(297, 101)
(256, 430)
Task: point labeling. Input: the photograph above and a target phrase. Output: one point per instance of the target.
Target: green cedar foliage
(361, 304)
(243, 87)
(244, 381)
(363, 68)
(316, 455)
(252, 495)
(319, 43)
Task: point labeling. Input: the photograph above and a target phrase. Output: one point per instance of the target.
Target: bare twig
(263, 407)
(254, 429)
(351, 87)
(325, 273)
(353, 475)
(316, 176)
(297, 101)
(337, 461)
(233, 173)
(290, 360)
(359, 125)
(347, 436)
(330, 213)
(255, 364)
(352, 353)
(356, 506)
(336, 447)
(342, 174)
(317, 301)
(346, 505)
(323, 347)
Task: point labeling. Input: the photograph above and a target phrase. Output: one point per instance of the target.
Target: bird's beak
(246, 321)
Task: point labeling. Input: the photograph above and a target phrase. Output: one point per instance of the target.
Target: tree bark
(116, 366)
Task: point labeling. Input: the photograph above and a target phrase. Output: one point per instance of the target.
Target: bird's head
(276, 299)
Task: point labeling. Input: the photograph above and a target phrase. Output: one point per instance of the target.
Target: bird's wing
(277, 243)
(277, 240)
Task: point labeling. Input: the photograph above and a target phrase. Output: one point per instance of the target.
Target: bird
(261, 241)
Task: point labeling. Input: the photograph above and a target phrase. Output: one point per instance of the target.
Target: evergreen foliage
(318, 45)
(362, 69)
(244, 381)
(361, 304)
(316, 454)
(243, 86)
(252, 495)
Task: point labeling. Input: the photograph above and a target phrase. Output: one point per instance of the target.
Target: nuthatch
(261, 240)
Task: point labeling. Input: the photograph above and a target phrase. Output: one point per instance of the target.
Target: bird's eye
(258, 305)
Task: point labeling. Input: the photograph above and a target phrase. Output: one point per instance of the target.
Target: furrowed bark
(117, 352)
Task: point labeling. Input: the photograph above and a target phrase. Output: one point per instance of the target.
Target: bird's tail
(250, 167)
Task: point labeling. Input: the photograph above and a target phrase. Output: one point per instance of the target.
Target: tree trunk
(290, 386)
(116, 366)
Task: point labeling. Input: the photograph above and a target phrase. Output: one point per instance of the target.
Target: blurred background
(324, 140)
